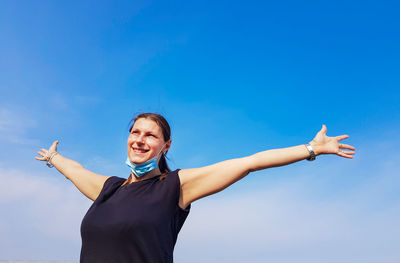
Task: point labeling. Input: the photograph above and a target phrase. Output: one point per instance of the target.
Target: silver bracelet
(311, 150)
(48, 163)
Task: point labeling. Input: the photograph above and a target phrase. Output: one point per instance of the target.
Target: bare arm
(200, 182)
(279, 157)
(89, 183)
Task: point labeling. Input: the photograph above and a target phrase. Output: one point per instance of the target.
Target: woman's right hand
(46, 153)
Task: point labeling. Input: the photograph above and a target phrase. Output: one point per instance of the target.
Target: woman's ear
(167, 145)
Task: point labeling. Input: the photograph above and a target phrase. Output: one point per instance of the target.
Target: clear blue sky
(232, 78)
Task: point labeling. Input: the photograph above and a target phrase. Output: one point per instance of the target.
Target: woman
(138, 219)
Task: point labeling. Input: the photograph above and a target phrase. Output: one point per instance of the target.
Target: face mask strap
(162, 148)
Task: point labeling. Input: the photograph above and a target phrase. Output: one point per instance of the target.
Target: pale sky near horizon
(233, 79)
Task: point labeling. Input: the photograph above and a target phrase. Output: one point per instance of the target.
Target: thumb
(323, 129)
(54, 145)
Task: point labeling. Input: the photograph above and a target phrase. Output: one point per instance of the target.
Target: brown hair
(166, 131)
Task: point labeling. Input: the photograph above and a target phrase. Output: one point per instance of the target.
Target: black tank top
(134, 223)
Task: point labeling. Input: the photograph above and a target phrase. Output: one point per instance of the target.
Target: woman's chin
(138, 159)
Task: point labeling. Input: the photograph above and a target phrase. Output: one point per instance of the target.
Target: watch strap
(311, 150)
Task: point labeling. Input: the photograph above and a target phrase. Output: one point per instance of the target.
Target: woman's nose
(140, 139)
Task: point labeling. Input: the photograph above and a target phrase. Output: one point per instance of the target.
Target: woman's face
(145, 141)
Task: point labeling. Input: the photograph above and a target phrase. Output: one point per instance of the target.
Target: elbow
(251, 164)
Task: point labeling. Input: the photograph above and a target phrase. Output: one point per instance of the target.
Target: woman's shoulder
(113, 181)
(171, 177)
(169, 174)
(114, 178)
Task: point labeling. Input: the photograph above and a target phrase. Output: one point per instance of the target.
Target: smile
(139, 151)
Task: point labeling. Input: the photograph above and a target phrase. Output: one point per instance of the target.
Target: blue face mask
(143, 168)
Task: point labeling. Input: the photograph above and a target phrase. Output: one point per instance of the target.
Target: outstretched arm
(321, 144)
(200, 182)
(89, 183)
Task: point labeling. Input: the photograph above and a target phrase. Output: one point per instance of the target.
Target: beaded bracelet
(48, 163)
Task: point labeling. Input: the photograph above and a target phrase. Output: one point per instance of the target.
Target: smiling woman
(138, 219)
(148, 138)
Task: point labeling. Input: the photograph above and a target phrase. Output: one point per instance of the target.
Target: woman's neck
(151, 174)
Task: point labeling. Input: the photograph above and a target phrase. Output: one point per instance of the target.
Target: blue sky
(232, 78)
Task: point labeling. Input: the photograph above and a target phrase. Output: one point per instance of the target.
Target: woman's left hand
(323, 144)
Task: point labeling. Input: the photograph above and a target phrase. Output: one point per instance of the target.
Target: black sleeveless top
(134, 223)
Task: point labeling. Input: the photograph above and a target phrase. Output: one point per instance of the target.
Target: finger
(348, 152)
(43, 154)
(41, 158)
(346, 146)
(341, 137)
(343, 154)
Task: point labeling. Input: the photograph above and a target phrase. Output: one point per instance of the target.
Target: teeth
(139, 150)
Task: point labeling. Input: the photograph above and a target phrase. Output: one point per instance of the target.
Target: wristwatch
(311, 150)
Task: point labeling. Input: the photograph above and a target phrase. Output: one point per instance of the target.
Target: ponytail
(162, 164)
